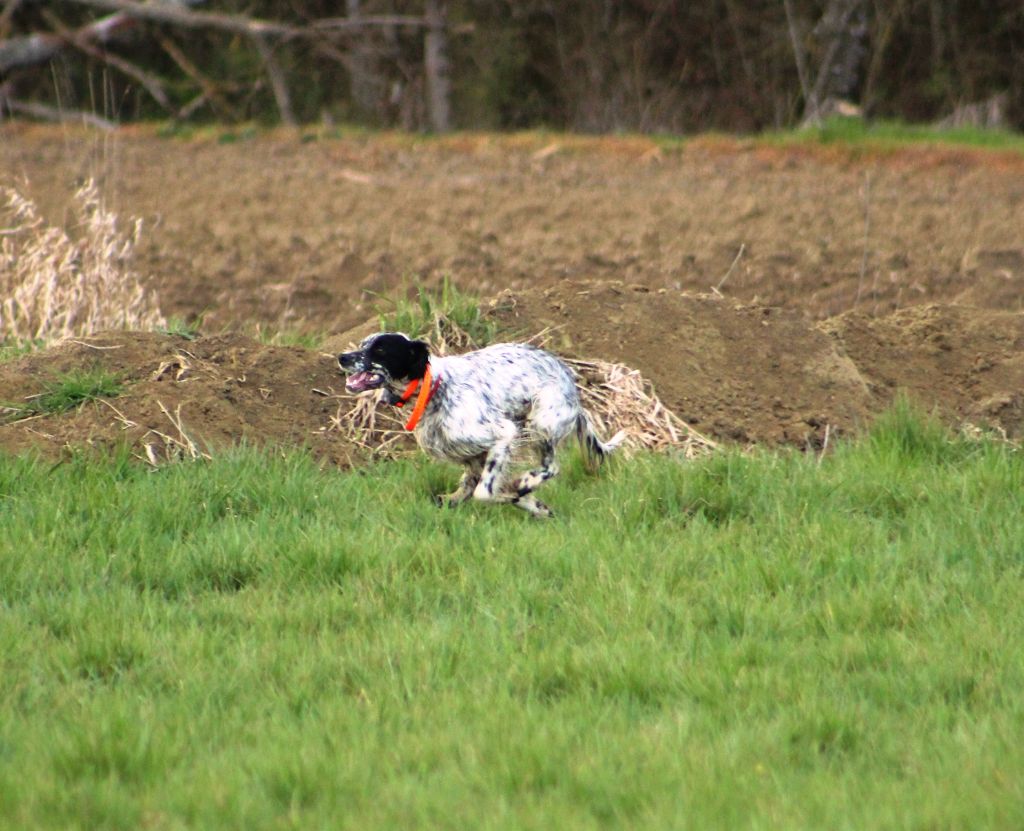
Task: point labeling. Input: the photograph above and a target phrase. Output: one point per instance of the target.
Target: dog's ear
(419, 355)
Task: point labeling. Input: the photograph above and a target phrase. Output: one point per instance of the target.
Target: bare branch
(193, 105)
(341, 24)
(278, 85)
(6, 13)
(41, 47)
(239, 24)
(181, 16)
(210, 91)
(152, 84)
(801, 64)
(61, 114)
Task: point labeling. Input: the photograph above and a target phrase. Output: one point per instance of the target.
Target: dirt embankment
(180, 397)
(743, 374)
(768, 375)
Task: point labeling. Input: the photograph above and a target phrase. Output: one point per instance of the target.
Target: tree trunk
(365, 86)
(436, 66)
(843, 30)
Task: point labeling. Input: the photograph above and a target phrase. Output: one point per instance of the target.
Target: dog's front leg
(489, 488)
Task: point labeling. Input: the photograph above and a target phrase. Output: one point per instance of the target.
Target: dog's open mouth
(361, 381)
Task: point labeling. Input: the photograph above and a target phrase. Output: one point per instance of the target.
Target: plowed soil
(771, 295)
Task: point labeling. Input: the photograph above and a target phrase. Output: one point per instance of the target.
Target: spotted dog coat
(484, 404)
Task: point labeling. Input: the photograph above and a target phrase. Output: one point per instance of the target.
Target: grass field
(857, 135)
(881, 135)
(748, 641)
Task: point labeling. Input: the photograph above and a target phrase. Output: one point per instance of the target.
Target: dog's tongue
(358, 382)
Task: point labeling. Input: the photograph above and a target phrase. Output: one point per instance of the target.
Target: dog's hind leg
(520, 490)
(470, 478)
(529, 482)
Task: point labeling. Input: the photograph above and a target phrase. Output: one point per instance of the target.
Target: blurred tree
(592, 65)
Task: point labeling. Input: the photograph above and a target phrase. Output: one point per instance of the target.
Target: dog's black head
(384, 359)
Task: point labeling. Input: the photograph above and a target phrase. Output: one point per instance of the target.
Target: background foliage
(647, 65)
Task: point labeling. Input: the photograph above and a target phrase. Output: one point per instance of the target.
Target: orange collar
(426, 392)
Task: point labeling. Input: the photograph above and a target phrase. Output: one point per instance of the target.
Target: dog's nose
(346, 360)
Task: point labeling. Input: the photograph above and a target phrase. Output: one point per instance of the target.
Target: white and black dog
(474, 409)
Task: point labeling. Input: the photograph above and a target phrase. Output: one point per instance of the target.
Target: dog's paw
(542, 511)
(533, 506)
(447, 500)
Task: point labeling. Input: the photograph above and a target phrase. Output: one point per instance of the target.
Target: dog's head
(382, 360)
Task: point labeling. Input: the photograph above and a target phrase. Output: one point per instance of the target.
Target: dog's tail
(594, 450)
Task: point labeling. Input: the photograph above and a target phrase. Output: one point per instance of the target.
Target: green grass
(269, 335)
(14, 348)
(182, 328)
(428, 313)
(70, 391)
(290, 337)
(892, 134)
(855, 133)
(749, 641)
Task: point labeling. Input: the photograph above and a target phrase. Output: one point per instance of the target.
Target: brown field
(770, 295)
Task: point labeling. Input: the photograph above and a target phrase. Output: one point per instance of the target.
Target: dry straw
(55, 285)
(620, 398)
(616, 396)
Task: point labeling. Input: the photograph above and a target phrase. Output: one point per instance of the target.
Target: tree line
(600, 65)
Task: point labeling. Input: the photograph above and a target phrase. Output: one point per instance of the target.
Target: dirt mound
(180, 397)
(746, 374)
(740, 373)
(767, 375)
(967, 363)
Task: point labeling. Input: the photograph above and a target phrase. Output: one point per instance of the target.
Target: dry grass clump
(616, 396)
(54, 285)
(376, 430)
(620, 398)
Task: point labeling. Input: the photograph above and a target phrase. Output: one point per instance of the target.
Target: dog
(475, 408)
